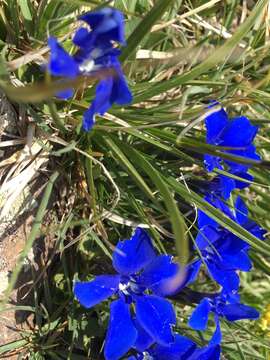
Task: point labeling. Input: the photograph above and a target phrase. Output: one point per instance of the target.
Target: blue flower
(238, 135)
(223, 252)
(107, 25)
(181, 349)
(139, 269)
(223, 305)
(96, 52)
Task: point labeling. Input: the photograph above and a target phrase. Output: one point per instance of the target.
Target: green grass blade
(223, 220)
(214, 59)
(12, 346)
(144, 27)
(177, 221)
(125, 163)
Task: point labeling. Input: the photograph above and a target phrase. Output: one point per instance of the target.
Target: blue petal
(61, 63)
(156, 315)
(175, 351)
(220, 204)
(228, 185)
(231, 244)
(237, 261)
(182, 279)
(211, 162)
(205, 220)
(107, 24)
(242, 184)
(83, 37)
(228, 279)
(215, 123)
(65, 94)
(102, 101)
(206, 353)
(100, 104)
(217, 337)
(90, 293)
(131, 256)
(121, 334)
(241, 211)
(192, 271)
(157, 273)
(233, 312)
(95, 18)
(206, 237)
(239, 132)
(255, 229)
(121, 94)
(144, 340)
(199, 317)
(248, 153)
(88, 119)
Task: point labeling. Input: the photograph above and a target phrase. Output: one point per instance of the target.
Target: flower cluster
(97, 51)
(223, 253)
(142, 318)
(237, 135)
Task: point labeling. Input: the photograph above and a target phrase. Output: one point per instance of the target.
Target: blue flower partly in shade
(238, 135)
(181, 349)
(223, 252)
(210, 352)
(223, 305)
(178, 350)
(139, 269)
(96, 52)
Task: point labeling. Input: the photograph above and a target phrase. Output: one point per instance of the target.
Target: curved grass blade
(178, 224)
(124, 162)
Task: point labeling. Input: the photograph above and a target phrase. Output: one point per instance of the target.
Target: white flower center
(87, 66)
(123, 287)
(147, 356)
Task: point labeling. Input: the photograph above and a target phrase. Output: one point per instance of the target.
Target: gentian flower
(223, 305)
(181, 349)
(140, 270)
(237, 134)
(223, 252)
(96, 52)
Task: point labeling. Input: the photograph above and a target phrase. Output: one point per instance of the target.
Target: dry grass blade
(26, 164)
(36, 56)
(189, 13)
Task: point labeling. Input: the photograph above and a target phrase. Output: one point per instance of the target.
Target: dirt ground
(11, 244)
